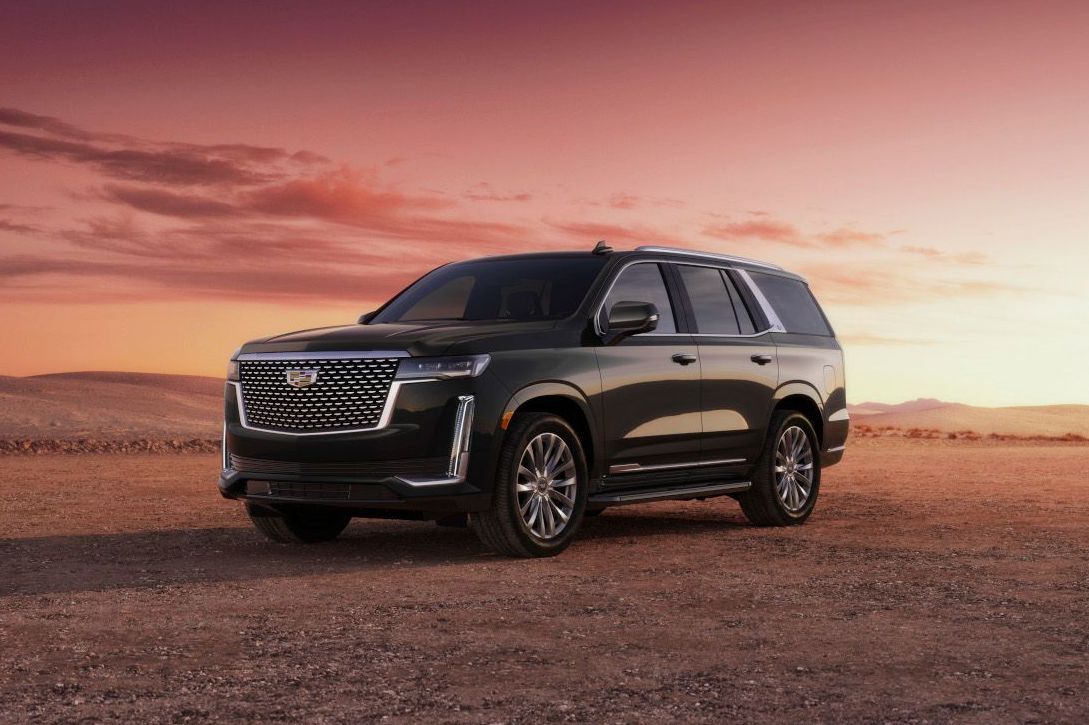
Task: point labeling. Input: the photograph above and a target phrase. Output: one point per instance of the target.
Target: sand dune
(1039, 420)
(110, 405)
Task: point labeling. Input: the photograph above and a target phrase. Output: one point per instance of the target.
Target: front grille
(346, 394)
(352, 469)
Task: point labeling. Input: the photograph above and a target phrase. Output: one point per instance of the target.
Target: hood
(419, 339)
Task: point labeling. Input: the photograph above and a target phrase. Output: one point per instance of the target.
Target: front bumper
(433, 453)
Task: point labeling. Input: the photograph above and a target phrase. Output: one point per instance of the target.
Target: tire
(297, 526)
(763, 504)
(503, 528)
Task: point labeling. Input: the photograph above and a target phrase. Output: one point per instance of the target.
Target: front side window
(642, 283)
(497, 289)
(793, 303)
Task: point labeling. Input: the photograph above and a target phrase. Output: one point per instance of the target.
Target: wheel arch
(566, 401)
(802, 398)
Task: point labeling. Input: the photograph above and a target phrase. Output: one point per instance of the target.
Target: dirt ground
(937, 581)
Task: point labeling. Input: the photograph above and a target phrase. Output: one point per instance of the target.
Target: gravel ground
(937, 581)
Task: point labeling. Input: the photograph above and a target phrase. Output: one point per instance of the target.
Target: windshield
(547, 288)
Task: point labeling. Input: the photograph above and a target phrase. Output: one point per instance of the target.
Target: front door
(650, 382)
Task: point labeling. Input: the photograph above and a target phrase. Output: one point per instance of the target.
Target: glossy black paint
(632, 401)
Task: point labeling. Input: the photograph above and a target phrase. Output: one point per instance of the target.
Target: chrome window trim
(769, 311)
(383, 421)
(710, 255)
(639, 468)
(765, 306)
(339, 355)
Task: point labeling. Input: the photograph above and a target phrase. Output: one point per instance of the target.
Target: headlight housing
(442, 368)
(232, 367)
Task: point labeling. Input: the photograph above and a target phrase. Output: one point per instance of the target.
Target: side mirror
(364, 319)
(631, 318)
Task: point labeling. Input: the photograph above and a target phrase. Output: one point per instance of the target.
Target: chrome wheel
(546, 485)
(794, 469)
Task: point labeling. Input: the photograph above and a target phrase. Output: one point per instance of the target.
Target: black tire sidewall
(789, 421)
(533, 427)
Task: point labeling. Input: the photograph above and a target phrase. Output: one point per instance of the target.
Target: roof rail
(709, 255)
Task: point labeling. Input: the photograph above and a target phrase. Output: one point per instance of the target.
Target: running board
(709, 490)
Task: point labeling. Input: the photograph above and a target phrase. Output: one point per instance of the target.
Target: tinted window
(642, 283)
(744, 317)
(710, 300)
(497, 289)
(793, 302)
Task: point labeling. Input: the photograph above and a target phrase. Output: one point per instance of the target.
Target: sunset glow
(177, 179)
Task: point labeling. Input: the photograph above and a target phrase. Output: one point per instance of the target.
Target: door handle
(761, 359)
(684, 358)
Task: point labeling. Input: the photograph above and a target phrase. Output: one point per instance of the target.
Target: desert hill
(1027, 421)
(110, 405)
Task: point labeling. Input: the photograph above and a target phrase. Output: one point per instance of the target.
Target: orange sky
(175, 180)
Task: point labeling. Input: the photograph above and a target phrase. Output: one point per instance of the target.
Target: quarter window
(642, 283)
(793, 303)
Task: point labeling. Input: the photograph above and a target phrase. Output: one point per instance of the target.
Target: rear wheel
(787, 476)
(540, 489)
(297, 526)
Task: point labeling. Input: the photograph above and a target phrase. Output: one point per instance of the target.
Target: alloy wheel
(546, 485)
(794, 469)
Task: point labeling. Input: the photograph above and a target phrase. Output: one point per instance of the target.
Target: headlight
(232, 366)
(442, 368)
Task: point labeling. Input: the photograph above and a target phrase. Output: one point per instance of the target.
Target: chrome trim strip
(840, 414)
(710, 255)
(769, 311)
(340, 355)
(837, 449)
(226, 456)
(637, 467)
(612, 283)
(387, 412)
(463, 429)
(459, 448)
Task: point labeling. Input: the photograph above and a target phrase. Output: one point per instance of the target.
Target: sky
(177, 178)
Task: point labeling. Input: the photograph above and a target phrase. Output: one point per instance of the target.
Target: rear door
(738, 362)
(650, 382)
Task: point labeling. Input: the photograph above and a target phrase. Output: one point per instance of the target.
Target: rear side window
(793, 303)
(710, 300)
(641, 283)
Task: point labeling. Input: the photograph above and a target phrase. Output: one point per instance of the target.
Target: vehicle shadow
(172, 557)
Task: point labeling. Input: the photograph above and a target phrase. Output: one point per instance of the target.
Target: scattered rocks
(42, 446)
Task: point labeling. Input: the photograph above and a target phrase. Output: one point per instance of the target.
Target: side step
(707, 490)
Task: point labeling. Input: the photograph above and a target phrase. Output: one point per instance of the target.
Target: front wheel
(787, 476)
(297, 526)
(540, 489)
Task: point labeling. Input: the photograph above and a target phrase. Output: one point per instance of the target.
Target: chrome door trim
(639, 468)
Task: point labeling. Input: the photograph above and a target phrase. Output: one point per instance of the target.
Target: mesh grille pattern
(346, 394)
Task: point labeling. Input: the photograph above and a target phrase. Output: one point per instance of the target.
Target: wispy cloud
(236, 220)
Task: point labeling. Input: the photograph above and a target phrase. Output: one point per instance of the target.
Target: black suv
(522, 393)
